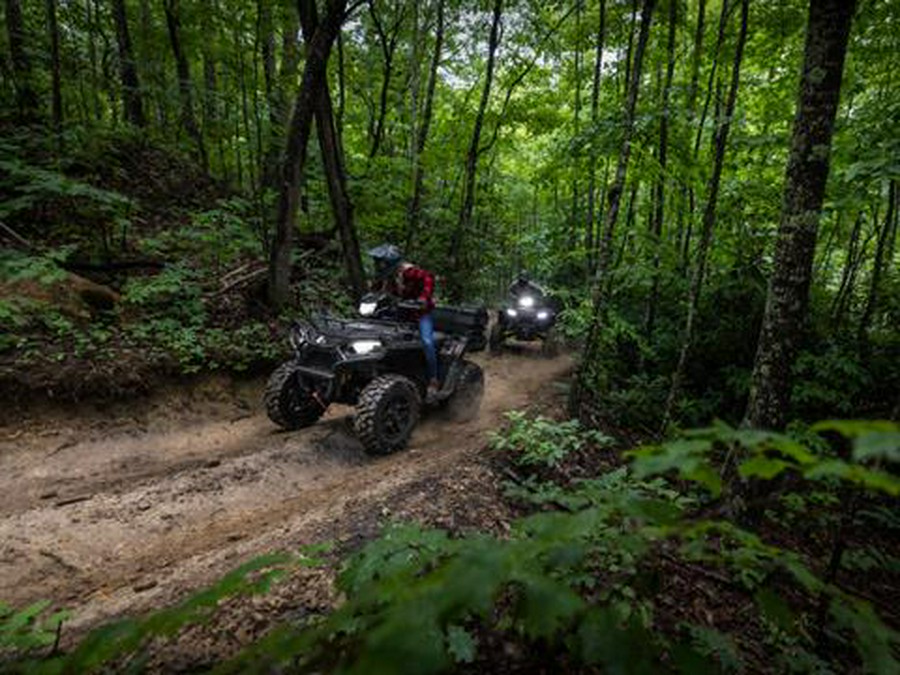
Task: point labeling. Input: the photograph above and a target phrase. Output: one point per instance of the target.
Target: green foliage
(120, 645)
(543, 442)
(583, 582)
(25, 631)
(215, 239)
(34, 187)
(699, 455)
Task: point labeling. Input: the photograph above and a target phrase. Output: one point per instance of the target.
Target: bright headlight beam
(542, 315)
(367, 308)
(511, 311)
(365, 346)
(526, 301)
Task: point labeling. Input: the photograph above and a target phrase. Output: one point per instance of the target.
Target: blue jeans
(426, 331)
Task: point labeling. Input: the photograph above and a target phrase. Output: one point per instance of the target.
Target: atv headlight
(365, 346)
(367, 308)
(526, 302)
(543, 315)
(299, 336)
(511, 312)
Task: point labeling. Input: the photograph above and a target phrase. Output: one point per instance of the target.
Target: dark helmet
(523, 277)
(386, 258)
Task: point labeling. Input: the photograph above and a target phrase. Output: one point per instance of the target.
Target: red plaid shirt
(415, 283)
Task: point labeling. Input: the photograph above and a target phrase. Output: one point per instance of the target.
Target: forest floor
(116, 509)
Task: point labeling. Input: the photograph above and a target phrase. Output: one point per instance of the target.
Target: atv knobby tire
(386, 414)
(466, 400)
(288, 403)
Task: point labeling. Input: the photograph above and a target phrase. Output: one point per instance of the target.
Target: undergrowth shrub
(606, 575)
(540, 441)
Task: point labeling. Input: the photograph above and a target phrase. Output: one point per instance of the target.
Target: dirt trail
(131, 507)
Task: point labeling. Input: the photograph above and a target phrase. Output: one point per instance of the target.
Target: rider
(395, 276)
(522, 285)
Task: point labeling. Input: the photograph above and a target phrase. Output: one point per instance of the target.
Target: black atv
(526, 317)
(377, 363)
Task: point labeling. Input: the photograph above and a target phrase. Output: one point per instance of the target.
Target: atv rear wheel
(466, 400)
(288, 403)
(386, 414)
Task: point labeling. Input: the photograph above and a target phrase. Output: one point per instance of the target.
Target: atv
(526, 317)
(377, 364)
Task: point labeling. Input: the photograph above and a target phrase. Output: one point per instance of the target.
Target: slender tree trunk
(877, 266)
(56, 106)
(827, 35)
(210, 98)
(26, 96)
(188, 120)
(579, 391)
(656, 230)
(684, 238)
(575, 222)
(252, 165)
(468, 203)
(388, 41)
(592, 169)
(332, 157)
(614, 196)
(845, 289)
(131, 89)
(418, 180)
(709, 219)
(317, 52)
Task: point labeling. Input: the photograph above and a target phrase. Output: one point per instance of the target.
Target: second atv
(377, 363)
(528, 315)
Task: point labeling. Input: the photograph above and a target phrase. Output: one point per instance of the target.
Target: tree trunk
(709, 219)
(592, 168)
(872, 297)
(468, 203)
(131, 89)
(418, 180)
(656, 230)
(848, 275)
(56, 85)
(317, 52)
(575, 218)
(388, 41)
(188, 120)
(827, 34)
(333, 159)
(26, 96)
(577, 397)
(210, 105)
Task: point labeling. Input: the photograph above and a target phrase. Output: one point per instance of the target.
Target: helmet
(386, 258)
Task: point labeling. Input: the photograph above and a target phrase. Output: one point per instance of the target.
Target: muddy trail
(131, 506)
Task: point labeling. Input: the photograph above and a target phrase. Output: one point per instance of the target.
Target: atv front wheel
(466, 400)
(386, 414)
(288, 403)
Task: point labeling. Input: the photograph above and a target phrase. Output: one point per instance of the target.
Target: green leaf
(877, 445)
(762, 467)
(718, 646)
(775, 609)
(875, 641)
(461, 645)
